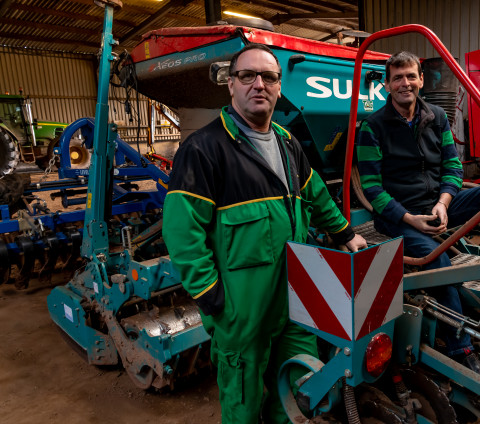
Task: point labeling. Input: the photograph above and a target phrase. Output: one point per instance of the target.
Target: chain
(48, 170)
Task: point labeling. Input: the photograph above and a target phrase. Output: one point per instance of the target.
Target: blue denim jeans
(463, 206)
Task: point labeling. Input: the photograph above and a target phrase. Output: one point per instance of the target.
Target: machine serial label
(68, 312)
(89, 200)
(368, 105)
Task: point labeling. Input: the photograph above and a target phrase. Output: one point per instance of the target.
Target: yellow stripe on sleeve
(206, 290)
(341, 229)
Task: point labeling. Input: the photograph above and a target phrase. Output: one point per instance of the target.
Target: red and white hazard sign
(345, 294)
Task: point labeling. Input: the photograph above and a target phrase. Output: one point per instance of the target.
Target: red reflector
(379, 352)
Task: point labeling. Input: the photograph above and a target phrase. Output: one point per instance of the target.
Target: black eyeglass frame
(279, 75)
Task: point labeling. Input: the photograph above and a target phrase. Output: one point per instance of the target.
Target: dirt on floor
(43, 380)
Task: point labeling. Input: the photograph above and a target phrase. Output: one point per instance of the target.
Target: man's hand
(420, 222)
(440, 209)
(357, 243)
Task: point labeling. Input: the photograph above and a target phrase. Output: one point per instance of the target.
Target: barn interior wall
(455, 22)
(61, 85)
(63, 88)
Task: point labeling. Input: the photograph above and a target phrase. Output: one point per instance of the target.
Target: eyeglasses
(246, 76)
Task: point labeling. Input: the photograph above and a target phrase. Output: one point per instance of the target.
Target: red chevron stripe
(384, 297)
(361, 264)
(311, 298)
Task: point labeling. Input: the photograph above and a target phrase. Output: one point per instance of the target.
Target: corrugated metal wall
(63, 87)
(127, 124)
(455, 22)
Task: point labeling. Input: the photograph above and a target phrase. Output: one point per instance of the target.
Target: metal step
(368, 232)
(27, 153)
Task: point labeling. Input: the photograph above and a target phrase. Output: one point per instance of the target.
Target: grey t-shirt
(266, 144)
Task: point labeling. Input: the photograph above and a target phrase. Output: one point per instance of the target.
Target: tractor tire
(11, 190)
(9, 154)
(43, 160)
(50, 153)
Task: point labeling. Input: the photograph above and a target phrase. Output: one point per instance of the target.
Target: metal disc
(142, 379)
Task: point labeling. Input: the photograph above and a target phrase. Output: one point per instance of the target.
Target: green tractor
(26, 144)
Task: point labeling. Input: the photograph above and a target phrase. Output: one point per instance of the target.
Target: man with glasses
(240, 188)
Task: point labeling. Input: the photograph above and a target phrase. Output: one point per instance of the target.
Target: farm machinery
(379, 358)
(36, 240)
(26, 144)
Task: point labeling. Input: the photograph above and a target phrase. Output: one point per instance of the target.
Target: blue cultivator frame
(36, 224)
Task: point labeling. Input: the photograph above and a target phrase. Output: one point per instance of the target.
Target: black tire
(50, 153)
(9, 154)
(43, 160)
(12, 187)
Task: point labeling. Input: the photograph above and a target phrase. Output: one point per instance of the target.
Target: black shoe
(472, 362)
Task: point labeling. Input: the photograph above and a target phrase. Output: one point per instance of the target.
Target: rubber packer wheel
(9, 154)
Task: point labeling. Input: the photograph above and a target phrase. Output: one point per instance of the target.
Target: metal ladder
(27, 153)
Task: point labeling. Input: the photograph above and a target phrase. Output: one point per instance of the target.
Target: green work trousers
(247, 379)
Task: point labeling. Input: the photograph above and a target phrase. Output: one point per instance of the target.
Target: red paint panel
(361, 264)
(384, 297)
(311, 298)
(309, 46)
(472, 62)
(171, 40)
(162, 46)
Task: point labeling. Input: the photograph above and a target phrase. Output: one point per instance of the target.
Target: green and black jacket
(402, 168)
(227, 218)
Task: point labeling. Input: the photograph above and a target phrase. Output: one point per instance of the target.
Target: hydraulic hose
(350, 403)
(452, 322)
(443, 317)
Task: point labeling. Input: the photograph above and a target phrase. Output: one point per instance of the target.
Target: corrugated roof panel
(60, 20)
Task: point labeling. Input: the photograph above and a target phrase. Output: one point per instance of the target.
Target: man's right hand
(420, 222)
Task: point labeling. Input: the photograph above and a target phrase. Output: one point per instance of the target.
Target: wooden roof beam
(126, 7)
(274, 4)
(60, 28)
(314, 7)
(60, 13)
(338, 7)
(147, 23)
(51, 40)
(268, 6)
(281, 18)
(4, 6)
(184, 18)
